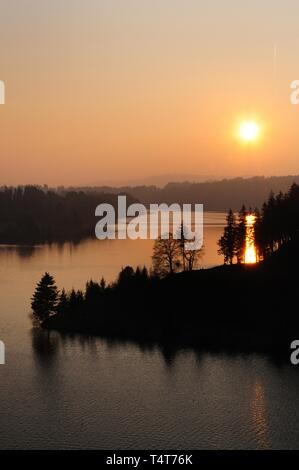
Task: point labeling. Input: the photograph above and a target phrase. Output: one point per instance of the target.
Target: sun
(249, 131)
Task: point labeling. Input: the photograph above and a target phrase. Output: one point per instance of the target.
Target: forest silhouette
(216, 195)
(235, 306)
(36, 214)
(32, 215)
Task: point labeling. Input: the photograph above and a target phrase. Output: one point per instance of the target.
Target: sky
(114, 90)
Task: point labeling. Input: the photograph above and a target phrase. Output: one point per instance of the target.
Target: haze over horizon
(163, 180)
(101, 90)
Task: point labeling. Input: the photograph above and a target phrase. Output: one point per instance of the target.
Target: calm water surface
(59, 392)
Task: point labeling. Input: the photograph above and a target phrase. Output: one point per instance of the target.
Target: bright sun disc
(249, 131)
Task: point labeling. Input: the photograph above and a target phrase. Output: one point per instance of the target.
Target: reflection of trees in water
(22, 251)
(28, 251)
(259, 415)
(45, 345)
(25, 251)
(169, 354)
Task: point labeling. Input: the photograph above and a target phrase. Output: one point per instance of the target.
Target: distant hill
(215, 195)
(161, 180)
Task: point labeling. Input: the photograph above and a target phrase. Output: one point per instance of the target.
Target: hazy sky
(101, 90)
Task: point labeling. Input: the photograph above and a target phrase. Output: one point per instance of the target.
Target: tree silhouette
(166, 256)
(171, 255)
(44, 299)
(126, 275)
(76, 301)
(227, 243)
(62, 305)
(189, 258)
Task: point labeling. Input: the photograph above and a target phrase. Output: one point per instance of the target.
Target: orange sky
(100, 91)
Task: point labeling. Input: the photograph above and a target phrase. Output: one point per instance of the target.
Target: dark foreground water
(77, 392)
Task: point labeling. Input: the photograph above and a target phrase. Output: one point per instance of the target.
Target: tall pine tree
(227, 243)
(45, 297)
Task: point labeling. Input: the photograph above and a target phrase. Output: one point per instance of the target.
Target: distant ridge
(161, 180)
(215, 195)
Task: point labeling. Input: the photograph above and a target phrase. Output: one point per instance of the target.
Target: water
(74, 392)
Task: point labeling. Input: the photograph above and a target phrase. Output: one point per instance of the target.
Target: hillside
(215, 195)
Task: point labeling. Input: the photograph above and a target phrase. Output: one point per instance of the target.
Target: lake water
(74, 392)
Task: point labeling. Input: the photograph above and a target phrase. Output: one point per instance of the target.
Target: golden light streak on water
(250, 248)
(259, 415)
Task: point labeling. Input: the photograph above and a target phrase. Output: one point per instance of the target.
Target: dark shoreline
(246, 308)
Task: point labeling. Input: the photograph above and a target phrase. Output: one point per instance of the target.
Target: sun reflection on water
(250, 248)
(259, 415)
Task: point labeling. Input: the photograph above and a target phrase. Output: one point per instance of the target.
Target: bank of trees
(233, 241)
(32, 214)
(48, 301)
(169, 256)
(172, 310)
(161, 309)
(275, 225)
(279, 222)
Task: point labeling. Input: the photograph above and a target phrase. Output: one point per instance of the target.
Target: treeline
(229, 307)
(31, 214)
(276, 224)
(233, 241)
(95, 305)
(215, 195)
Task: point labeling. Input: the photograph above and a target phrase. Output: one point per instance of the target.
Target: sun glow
(250, 248)
(249, 131)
